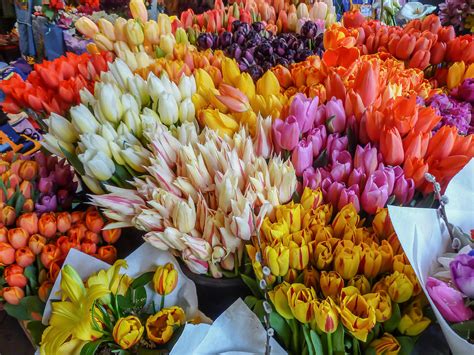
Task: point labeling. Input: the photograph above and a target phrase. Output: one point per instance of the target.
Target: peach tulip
(24, 257)
(18, 237)
(13, 295)
(47, 225)
(7, 254)
(14, 276)
(29, 222)
(36, 243)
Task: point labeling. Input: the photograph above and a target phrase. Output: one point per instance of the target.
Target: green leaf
(426, 202)
(36, 329)
(2, 186)
(355, 346)
(338, 340)
(392, 324)
(370, 351)
(322, 160)
(142, 280)
(318, 346)
(19, 204)
(31, 274)
(309, 342)
(252, 285)
(279, 324)
(24, 310)
(406, 345)
(259, 310)
(74, 161)
(11, 200)
(139, 296)
(91, 348)
(250, 301)
(464, 329)
(123, 302)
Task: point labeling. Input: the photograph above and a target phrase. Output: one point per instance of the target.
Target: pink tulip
(366, 159)
(375, 194)
(357, 177)
(350, 195)
(333, 193)
(320, 116)
(302, 156)
(336, 143)
(304, 110)
(286, 133)
(341, 166)
(404, 188)
(450, 302)
(335, 116)
(390, 175)
(318, 137)
(313, 177)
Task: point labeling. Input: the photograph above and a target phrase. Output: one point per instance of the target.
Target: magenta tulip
(350, 195)
(302, 156)
(450, 302)
(366, 158)
(462, 273)
(357, 177)
(333, 193)
(336, 143)
(45, 185)
(318, 137)
(404, 188)
(341, 166)
(390, 175)
(465, 91)
(313, 177)
(320, 116)
(335, 116)
(286, 133)
(304, 110)
(376, 192)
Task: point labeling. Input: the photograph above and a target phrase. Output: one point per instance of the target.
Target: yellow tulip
(395, 244)
(134, 33)
(167, 43)
(382, 224)
(87, 27)
(291, 213)
(361, 283)
(277, 258)
(413, 322)
(402, 264)
(160, 326)
(353, 234)
(381, 303)
(323, 255)
(455, 74)
(230, 71)
(268, 84)
(346, 216)
(119, 29)
(291, 276)
(386, 345)
(128, 331)
(276, 230)
(248, 119)
(151, 33)
(299, 255)
(138, 10)
(165, 279)
(311, 199)
(469, 73)
(348, 291)
(380, 285)
(164, 24)
(279, 298)
(218, 121)
(357, 316)
(311, 277)
(326, 316)
(301, 302)
(322, 233)
(259, 105)
(331, 284)
(346, 261)
(107, 29)
(371, 261)
(103, 43)
(181, 36)
(400, 288)
(246, 85)
(257, 266)
(199, 102)
(203, 81)
(386, 252)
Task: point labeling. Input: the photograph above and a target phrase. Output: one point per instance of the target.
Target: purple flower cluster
(56, 184)
(257, 50)
(453, 113)
(455, 12)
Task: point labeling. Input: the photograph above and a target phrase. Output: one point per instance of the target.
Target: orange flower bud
(24, 257)
(94, 221)
(63, 222)
(36, 243)
(49, 253)
(13, 295)
(405, 47)
(437, 53)
(54, 269)
(18, 237)
(77, 233)
(107, 253)
(77, 216)
(431, 23)
(311, 277)
(88, 247)
(283, 75)
(14, 180)
(14, 276)
(111, 236)
(91, 237)
(7, 254)
(44, 290)
(28, 170)
(421, 59)
(64, 244)
(26, 189)
(386, 251)
(29, 222)
(47, 225)
(8, 216)
(391, 146)
(16, 165)
(3, 235)
(29, 205)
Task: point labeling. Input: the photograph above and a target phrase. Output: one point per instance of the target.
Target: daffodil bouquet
(108, 313)
(337, 283)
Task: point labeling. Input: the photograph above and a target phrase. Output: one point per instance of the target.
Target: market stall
(263, 176)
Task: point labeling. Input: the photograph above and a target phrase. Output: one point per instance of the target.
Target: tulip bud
(83, 120)
(14, 276)
(13, 295)
(165, 279)
(107, 253)
(7, 254)
(167, 43)
(361, 283)
(381, 303)
(36, 243)
(87, 27)
(111, 236)
(110, 104)
(94, 221)
(413, 322)
(128, 331)
(49, 253)
(326, 315)
(29, 205)
(63, 222)
(8, 216)
(3, 234)
(400, 288)
(168, 109)
(181, 36)
(107, 29)
(29, 222)
(357, 316)
(151, 32)
(18, 237)
(97, 165)
(47, 225)
(323, 255)
(134, 33)
(331, 284)
(44, 290)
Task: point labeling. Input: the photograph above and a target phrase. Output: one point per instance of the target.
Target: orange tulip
(24, 257)
(7, 216)
(107, 253)
(49, 253)
(13, 295)
(335, 86)
(341, 56)
(338, 36)
(416, 144)
(47, 225)
(283, 75)
(446, 34)
(91, 237)
(63, 222)
(110, 236)
(18, 237)
(415, 168)
(404, 113)
(461, 49)
(431, 23)
(427, 120)
(438, 52)
(442, 142)
(28, 170)
(3, 234)
(77, 233)
(405, 47)
(54, 269)
(88, 247)
(94, 221)
(64, 244)
(354, 105)
(353, 19)
(14, 276)
(77, 216)
(29, 222)
(391, 146)
(7, 254)
(26, 189)
(29, 205)
(366, 83)
(421, 59)
(464, 145)
(44, 290)
(36, 243)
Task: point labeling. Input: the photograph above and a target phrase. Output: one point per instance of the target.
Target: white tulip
(132, 120)
(54, 145)
(122, 129)
(93, 141)
(155, 86)
(175, 91)
(108, 132)
(97, 164)
(187, 132)
(110, 104)
(62, 128)
(121, 72)
(168, 109)
(142, 89)
(83, 120)
(186, 110)
(130, 103)
(116, 152)
(86, 97)
(185, 86)
(137, 158)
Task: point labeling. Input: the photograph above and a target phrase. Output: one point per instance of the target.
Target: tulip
(353, 19)
(357, 316)
(24, 256)
(335, 116)
(29, 222)
(323, 255)
(304, 110)
(277, 258)
(380, 301)
(184, 216)
(3, 234)
(366, 83)
(413, 323)
(347, 216)
(36, 243)
(103, 43)
(286, 133)
(8, 216)
(47, 225)
(263, 139)
(160, 327)
(7, 254)
(14, 276)
(311, 278)
(134, 33)
(97, 164)
(301, 301)
(127, 332)
(107, 253)
(331, 284)
(346, 262)
(279, 298)
(326, 316)
(111, 236)
(49, 253)
(63, 222)
(268, 85)
(13, 295)
(311, 199)
(387, 344)
(29, 205)
(302, 156)
(462, 273)
(400, 288)
(164, 23)
(86, 26)
(361, 283)
(44, 290)
(168, 109)
(437, 52)
(107, 29)
(110, 104)
(376, 192)
(165, 279)
(94, 221)
(17, 237)
(167, 43)
(138, 10)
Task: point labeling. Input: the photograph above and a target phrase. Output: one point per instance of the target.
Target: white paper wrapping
(424, 237)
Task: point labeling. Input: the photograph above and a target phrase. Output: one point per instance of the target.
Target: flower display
(456, 13)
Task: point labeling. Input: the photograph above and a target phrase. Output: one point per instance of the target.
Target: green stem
(295, 336)
(162, 303)
(329, 337)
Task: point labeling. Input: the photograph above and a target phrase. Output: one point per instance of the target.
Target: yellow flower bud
(346, 216)
(331, 284)
(323, 255)
(138, 10)
(381, 303)
(152, 36)
(402, 264)
(311, 199)
(134, 33)
(346, 261)
(371, 261)
(400, 288)
(277, 258)
(291, 214)
(160, 326)
(348, 291)
(455, 74)
(230, 71)
(322, 233)
(357, 316)
(165, 279)
(380, 285)
(268, 84)
(326, 316)
(257, 266)
(311, 277)
(386, 252)
(87, 27)
(361, 283)
(246, 85)
(386, 345)
(275, 231)
(353, 234)
(301, 301)
(279, 298)
(413, 322)
(128, 331)
(218, 121)
(395, 244)
(382, 224)
(106, 28)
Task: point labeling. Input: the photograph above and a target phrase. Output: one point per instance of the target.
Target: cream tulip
(62, 128)
(97, 164)
(110, 104)
(83, 120)
(186, 111)
(92, 141)
(168, 109)
(184, 216)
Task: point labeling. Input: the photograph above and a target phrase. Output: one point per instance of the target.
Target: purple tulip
(320, 116)
(465, 91)
(40, 158)
(304, 110)
(313, 177)
(450, 302)
(326, 183)
(46, 184)
(302, 156)
(318, 137)
(350, 195)
(286, 133)
(62, 175)
(376, 192)
(404, 188)
(462, 273)
(366, 159)
(335, 116)
(336, 143)
(357, 177)
(46, 204)
(341, 166)
(390, 175)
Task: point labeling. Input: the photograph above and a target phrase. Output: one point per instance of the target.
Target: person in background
(24, 9)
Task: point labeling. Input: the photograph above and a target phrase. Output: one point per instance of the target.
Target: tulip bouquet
(105, 137)
(109, 312)
(336, 283)
(203, 195)
(53, 86)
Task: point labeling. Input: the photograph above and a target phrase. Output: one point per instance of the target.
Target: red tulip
(391, 146)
